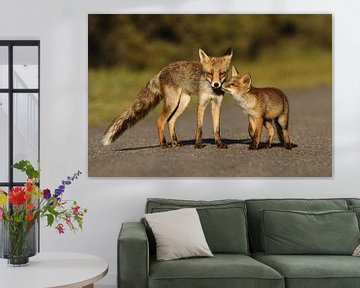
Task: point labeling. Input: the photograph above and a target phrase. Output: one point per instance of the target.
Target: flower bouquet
(21, 208)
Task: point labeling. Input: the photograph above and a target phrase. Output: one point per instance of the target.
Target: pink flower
(68, 219)
(76, 210)
(60, 228)
(1, 213)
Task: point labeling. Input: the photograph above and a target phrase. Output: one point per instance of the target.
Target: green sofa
(236, 234)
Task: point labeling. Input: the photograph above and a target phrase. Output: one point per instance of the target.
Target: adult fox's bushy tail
(147, 99)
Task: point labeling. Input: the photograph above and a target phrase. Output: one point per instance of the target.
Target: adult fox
(176, 84)
(263, 105)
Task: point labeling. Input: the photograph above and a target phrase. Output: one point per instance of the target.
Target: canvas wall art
(210, 95)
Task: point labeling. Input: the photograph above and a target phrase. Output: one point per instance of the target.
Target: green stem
(18, 237)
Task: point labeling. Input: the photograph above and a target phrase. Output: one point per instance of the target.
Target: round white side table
(50, 270)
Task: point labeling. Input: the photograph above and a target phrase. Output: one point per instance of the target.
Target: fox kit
(176, 84)
(263, 105)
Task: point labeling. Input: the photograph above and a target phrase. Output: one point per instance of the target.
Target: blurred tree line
(140, 41)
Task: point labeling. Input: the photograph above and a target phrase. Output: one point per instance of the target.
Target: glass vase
(18, 242)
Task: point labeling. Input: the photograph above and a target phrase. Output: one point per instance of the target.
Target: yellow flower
(3, 198)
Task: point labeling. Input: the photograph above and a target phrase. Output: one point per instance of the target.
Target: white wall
(61, 25)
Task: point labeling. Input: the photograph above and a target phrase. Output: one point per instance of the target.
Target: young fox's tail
(147, 99)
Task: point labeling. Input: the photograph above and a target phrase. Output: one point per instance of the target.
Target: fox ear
(203, 56)
(246, 80)
(229, 52)
(234, 71)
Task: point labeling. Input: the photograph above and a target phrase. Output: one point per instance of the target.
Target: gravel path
(136, 152)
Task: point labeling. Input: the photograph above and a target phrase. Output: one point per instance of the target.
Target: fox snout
(224, 88)
(227, 86)
(216, 85)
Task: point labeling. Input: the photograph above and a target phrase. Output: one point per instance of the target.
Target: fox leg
(257, 134)
(251, 127)
(283, 122)
(279, 132)
(183, 103)
(215, 112)
(160, 123)
(270, 128)
(171, 102)
(203, 102)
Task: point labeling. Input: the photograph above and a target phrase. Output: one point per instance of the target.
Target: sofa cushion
(222, 270)
(313, 271)
(254, 216)
(297, 232)
(178, 234)
(223, 221)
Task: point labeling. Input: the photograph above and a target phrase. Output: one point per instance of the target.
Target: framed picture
(210, 95)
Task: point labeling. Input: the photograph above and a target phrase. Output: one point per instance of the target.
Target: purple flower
(46, 194)
(58, 192)
(68, 181)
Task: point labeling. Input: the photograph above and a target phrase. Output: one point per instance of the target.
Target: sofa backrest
(353, 202)
(223, 221)
(256, 205)
(354, 205)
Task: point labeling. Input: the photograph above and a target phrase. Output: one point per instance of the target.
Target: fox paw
(268, 145)
(166, 145)
(221, 145)
(199, 146)
(288, 146)
(253, 147)
(176, 144)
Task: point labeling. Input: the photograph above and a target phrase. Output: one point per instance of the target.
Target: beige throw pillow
(357, 251)
(178, 234)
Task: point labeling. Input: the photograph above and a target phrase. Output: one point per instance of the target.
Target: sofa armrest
(133, 256)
